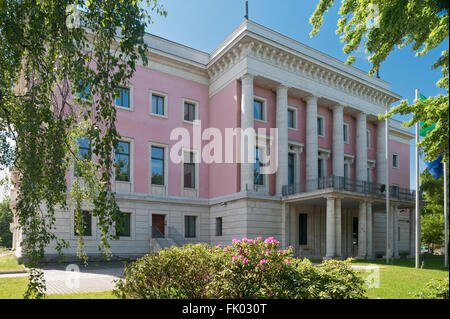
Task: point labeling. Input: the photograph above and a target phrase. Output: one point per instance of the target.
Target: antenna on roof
(246, 10)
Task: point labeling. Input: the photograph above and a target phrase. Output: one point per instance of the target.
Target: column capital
(247, 76)
(282, 87)
(361, 114)
(337, 107)
(311, 98)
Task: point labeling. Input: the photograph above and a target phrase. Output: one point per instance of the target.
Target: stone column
(311, 143)
(412, 232)
(361, 147)
(331, 229)
(370, 253)
(395, 231)
(338, 140)
(381, 152)
(247, 120)
(338, 227)
(362, 230)
(282, 146)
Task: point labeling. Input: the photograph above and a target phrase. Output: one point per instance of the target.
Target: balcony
(341, 184)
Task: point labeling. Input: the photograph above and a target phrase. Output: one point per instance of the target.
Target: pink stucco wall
(400, 175)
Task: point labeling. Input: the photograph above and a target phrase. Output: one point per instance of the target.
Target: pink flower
(263, 268)
(281, 268)
(240, 256)
(236, 241)
(234, 258)
(245, 239)
(268, 252)
(262, 261)
(271, 240)
(245, 260)
(288, 262)
(219, 246)
(226, 249)
(258, 238)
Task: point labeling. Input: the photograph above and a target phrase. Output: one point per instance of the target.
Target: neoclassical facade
(327, 196)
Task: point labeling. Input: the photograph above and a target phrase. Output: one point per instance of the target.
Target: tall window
(157, 165)
(346, 140)
(84, 152)
(122, 162)
(123, 226)
(355, 231)
(123, 100)
(189, 226)
(369, 175)
(158, 105)
(321, 168)
(86, 220)
(346, 171)
(189, 112)
(189, 171)
(219, 226)
(258, 177)
(85, 91)
(303, 229)
(368, 139)
(258, 109)
(320, 126)
(395, 160)
(291, 169)
(291, 118)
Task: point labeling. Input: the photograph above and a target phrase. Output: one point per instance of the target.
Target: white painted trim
(166, 103)
(369, 139)
(166, 167)
(293, 108)
(347, 125)
(319, 116)
(197, 172)
(264, 110)
(196, 115)
(132, 236)
(130, 87)
(131, 182)
(398, 160)
(197, 225)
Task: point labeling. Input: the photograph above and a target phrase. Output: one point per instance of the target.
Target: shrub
(249, 268)
(434, 289)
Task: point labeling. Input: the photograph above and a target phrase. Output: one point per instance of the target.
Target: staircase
(158, 244)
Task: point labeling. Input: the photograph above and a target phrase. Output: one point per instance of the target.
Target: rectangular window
(258, 177)
(321, 168)
(398, 231)
(189, 112)
(395, 160)
(85, 91)
(123, 226)
(320, 126)
(189, 226)
(157, 158)
(158, 105)
(122, 162)
(346, 133)
(219, 226)
(87, 224)
(303, 228)
(368, 139)
(355, 231)
(369, 175)
(258, 109)
(189, 172)
(291, 119)
(346, 171)
(84, 153)
(123, 100)
(291, 170)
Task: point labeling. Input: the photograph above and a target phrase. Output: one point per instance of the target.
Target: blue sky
(204, 24)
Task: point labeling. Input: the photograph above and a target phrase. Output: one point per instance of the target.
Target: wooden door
(158, 226)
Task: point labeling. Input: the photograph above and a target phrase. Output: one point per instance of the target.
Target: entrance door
(158, 226)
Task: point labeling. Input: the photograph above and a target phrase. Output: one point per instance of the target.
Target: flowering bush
(249, 268)
(434, 289)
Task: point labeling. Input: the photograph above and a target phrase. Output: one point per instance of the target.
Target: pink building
(327, 196)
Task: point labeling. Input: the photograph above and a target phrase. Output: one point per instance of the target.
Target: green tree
(381, 26)
(433, 211)
(6, 217)
(61, 62)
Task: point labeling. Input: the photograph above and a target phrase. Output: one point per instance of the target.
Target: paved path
(75, 278)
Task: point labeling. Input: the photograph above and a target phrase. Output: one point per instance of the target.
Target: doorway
(158, 226)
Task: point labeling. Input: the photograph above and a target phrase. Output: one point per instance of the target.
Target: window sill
(260, 121)
(159, 116)
(129, 109)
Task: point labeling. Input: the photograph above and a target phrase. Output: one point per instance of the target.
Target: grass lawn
(9, 263)
(400, 279)
(13, 288)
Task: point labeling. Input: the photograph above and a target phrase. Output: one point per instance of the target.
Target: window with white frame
(321, 126)
(190, 110)
(368, 139)
(157, 165)
(369, 174)
(123, 98)
(190, 227)
(346, 131)
(346, 171)
(258, 177)
(189, 170)
(83, 226)
(158, 105)
(122, 162)
(292, 117)
(321, 168)
(259, 109)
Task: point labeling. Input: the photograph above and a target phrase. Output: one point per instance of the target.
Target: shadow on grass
(429, 262)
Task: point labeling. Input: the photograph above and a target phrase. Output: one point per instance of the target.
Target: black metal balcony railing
(338, 183)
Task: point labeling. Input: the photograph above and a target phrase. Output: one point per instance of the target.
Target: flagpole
(388, 237)
(417, 217)
(445, 216)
